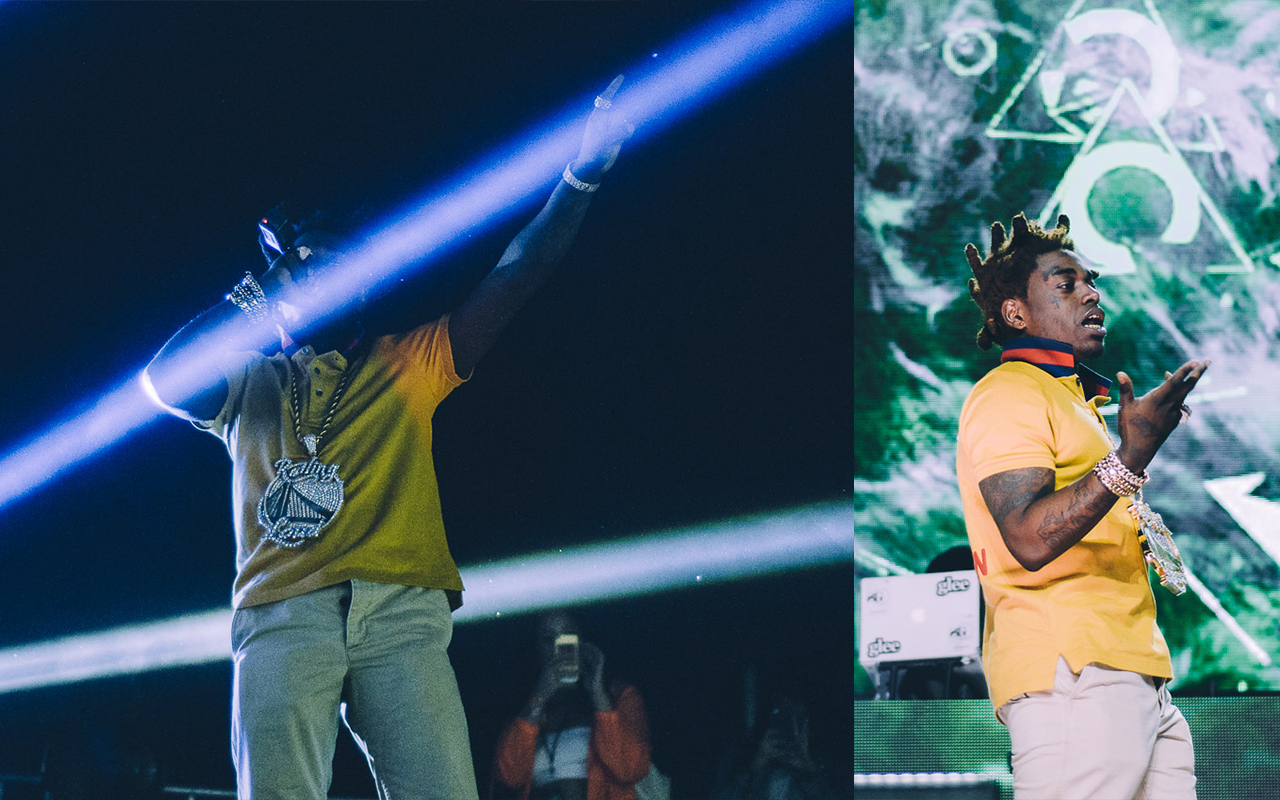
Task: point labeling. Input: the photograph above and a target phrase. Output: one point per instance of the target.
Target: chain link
(333, 403)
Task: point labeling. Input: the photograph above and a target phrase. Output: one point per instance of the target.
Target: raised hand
(593, 676)
(548, 684)
(1145, 422)
(602, 140)
(278, 280)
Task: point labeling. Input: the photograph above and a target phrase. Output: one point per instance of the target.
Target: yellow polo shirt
(390, 528)
(1092, 604)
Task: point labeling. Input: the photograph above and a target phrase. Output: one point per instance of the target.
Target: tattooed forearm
(1037, 523)
(1014, 491)
(1062, 527)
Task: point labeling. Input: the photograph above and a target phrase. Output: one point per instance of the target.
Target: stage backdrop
(1154, 125)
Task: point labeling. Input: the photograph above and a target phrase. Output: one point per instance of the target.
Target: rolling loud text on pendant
(305, 496)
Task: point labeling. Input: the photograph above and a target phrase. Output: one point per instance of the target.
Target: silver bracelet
(581, 186)
(1119, 479)
(249, 298)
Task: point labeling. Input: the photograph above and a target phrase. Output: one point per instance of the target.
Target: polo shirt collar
(1058, 359)
(347, 353)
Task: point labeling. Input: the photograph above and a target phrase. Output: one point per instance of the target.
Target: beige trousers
(1104, 734)
(378, 653)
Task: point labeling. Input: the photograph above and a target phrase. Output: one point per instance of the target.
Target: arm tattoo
(1015, 490)
(1074, 511)
(1063, 525)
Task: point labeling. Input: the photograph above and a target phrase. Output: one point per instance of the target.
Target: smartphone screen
(567, 657)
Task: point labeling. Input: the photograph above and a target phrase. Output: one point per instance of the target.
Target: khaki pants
(381, 650)
(1104, 734)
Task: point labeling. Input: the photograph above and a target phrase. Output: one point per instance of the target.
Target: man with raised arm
(1074, 659)
(345, 585)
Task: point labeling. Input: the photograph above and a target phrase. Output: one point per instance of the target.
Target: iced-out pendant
(301, 500)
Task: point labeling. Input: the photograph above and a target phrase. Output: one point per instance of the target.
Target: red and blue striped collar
(1056, 358)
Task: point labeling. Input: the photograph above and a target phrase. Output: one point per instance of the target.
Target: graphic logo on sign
(880, 647)
(950, 584)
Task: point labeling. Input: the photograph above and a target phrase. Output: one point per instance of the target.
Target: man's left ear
(1011, 311)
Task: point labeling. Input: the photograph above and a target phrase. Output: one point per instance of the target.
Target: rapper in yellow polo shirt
(1075, 662)
(345, 584)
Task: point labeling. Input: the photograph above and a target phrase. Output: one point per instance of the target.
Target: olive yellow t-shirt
(389, 528)
(1093, 603)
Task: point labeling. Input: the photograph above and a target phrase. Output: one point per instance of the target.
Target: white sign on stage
(918, 617)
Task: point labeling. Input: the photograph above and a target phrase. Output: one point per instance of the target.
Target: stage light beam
(716, 58)
(724, 551)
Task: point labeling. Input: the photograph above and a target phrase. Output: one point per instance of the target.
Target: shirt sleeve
(235, 368)
(513, 757)
(428, 351)
(1007, 426)
(621, 738)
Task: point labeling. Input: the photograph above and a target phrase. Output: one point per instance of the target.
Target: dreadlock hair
(1007, 268)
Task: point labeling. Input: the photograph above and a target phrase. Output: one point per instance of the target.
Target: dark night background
(689, 362)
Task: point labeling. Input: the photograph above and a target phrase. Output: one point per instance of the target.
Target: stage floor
(1237, 741)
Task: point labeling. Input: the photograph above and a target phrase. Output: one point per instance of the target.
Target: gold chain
(333, 404)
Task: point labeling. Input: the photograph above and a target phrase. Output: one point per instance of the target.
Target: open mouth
(1093, 321)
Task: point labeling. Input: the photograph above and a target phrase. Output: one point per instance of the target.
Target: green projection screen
(1154, 124)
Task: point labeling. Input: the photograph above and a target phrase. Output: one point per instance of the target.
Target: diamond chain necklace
(304, 497)
(312, 441)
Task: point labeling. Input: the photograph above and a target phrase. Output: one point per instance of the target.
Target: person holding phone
(776, 762)
(578, 737)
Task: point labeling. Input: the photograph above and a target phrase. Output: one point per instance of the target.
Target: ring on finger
(603, 103)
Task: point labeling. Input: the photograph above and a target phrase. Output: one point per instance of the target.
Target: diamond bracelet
(249, 298)
(1119, 479)
(573, 181)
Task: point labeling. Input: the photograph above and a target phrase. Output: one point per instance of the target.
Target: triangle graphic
(1158, 155)
(1051, 81)
(1070, 96)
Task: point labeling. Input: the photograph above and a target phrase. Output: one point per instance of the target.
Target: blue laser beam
(707, 63)
(691, 557)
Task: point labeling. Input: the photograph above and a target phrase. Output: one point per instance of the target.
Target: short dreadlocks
(1008, 267)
